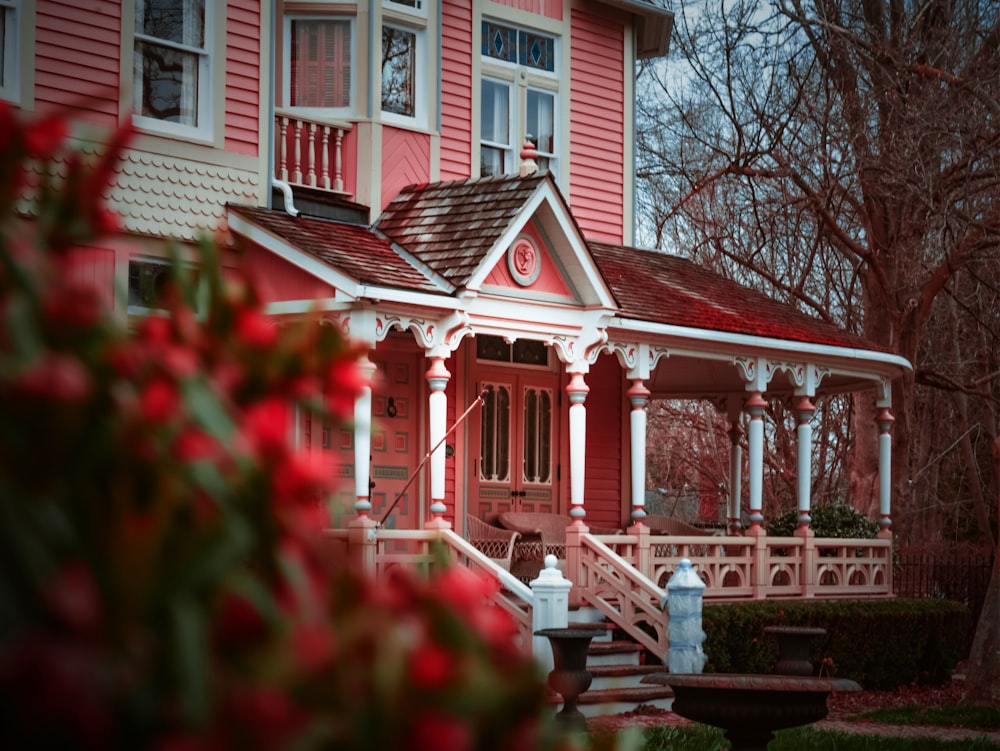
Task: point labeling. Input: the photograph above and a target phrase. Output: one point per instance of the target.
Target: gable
(528, 269)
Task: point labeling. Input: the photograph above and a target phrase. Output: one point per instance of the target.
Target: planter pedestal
(793, 648)
(570, 677)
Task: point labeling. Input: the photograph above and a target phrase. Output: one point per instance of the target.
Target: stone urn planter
(793, 648)
(570, 677)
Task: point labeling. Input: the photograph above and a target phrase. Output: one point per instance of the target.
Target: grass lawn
(704, 738)
(949, 715)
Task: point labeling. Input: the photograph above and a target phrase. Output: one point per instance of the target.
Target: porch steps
(614, 664)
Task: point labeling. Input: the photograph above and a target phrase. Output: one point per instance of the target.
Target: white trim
(758, 343)
(210, 61)
(545, 194)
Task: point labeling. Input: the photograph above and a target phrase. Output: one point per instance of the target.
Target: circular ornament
(524, 261)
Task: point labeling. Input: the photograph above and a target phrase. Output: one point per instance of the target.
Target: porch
(624, 575)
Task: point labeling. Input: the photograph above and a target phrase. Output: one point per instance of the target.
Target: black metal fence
(961, 576)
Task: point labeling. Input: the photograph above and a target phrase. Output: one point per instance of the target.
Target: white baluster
(324, 176)
(297, 164)
(311, 157)
(338, 162)
(283, 149)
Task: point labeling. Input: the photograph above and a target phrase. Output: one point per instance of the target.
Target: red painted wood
(243, 78)
(604, 492)
(456, 90)
(77, 59)
(549, 8)
(550, 280)
(597, 86)
(279, 280)
(406, 157)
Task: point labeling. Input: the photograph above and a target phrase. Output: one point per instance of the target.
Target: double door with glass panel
(516, 465)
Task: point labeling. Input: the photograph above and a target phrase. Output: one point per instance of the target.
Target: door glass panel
(494, 465)
(537, 432)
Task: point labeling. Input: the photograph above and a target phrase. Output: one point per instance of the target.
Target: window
(320, 62)
(399, 71)
(172, 64)
(519, 97)
(404, 67)
(149, 282)
(10, 49)
(417, 5)
(521, 352)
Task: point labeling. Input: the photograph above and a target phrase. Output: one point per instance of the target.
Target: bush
(830, 520)
(162, 578)
(882, 644)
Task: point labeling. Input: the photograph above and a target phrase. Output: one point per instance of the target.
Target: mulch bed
(842, 706)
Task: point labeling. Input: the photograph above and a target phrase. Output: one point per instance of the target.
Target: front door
(516, 461)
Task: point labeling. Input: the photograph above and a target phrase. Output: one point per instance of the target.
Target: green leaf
(191, 659)
(206, 408)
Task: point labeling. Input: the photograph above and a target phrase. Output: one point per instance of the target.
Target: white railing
(624, 576)
(761, 567)
(309, 151)
(377, 551)
(625, 596)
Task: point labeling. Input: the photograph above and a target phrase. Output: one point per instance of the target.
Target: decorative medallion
(524, 261)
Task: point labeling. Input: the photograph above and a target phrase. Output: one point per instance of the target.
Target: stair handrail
(608, 577)
(514, 596)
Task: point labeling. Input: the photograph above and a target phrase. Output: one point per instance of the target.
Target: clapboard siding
(243, 77)
(77, 58)
(456, 90)
(604, 497)
(597, 123)
(549, 8)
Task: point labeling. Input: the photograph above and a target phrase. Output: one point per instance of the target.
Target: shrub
(829, 520)
(162, 583)
(882, 644)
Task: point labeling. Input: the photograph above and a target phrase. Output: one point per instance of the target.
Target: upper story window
(519, 97)
(10, 34)
(173, 65)
(404, 97)
(417, 5)
(320, 62)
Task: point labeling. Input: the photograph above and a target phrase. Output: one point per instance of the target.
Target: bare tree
(844, 155)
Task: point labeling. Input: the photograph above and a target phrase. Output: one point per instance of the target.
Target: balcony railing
(309, 152)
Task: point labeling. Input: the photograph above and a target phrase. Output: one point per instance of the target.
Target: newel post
(362, 545)
(549, 609)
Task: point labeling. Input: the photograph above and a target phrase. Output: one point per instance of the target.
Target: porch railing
(762, 567)
(309, 151)
(625, 575)
(379, 550)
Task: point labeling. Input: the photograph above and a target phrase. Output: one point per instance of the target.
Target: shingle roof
(451, 226)
(352, 249)
(662, 288)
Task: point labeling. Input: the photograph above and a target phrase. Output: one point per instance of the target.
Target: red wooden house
(451, 182)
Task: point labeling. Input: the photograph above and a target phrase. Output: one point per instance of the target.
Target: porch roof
(355, 250)
(441, 238)
(669, 289)
(452, 226)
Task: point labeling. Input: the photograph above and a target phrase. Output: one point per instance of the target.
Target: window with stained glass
(519, 97)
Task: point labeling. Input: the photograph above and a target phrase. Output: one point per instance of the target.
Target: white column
(363, 441)
(576, 391)
(735, 475)
(804, 411)
(437, 378)
(638, 395)
(885, 421)
(755, 407)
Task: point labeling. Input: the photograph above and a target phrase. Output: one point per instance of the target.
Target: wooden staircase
(615, 663)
